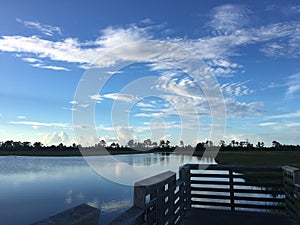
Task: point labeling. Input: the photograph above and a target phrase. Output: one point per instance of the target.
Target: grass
(275, 158)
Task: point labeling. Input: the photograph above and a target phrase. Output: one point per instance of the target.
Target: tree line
(148, 145)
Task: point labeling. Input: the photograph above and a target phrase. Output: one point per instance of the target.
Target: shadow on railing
(163, 200)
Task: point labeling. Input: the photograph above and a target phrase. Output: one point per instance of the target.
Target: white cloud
(74, 102)
(236, 89)
(96, 97)
(237, 109)
(145, 105)
(121, 97)
(71, 109)
(32, 60)
(45, 29)
(124, 134)
(21, 117)
(56, 138)
(287, 115)
(39, 65)
(227, 18)
(114, 96)
(217, 48)
(293, 85)
(156, 114)
(40, 124)
(267, 124)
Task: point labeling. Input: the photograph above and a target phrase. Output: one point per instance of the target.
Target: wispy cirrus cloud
(115, 96)
(287, 115)
(236, 89)
(36, 124)
(228, 18)
(213, 48)
(39, 65)
(293, 85)
(43, 28)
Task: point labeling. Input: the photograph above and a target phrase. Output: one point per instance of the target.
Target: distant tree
(117, 145)
(113, 145)
(276, 144)
(200, 147)
(74, 145)
(26, 144)
(258, 145)
(154, 144)
(209, 143)
(262, 144)
(181, 144)
(102, 143)
(130, 143)
(168, 144)
(17, 145)
(162, 143)
(232, 143)
(222, 143)
(61, 146)
(147, 143)
(8, 144)
(37, 144)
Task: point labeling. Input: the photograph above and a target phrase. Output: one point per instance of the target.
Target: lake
(34, 188)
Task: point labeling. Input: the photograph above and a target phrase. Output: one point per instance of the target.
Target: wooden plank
(210, 196)
(236, 167)
(259, 199)
(236, 183)
(256, 206)
(209, 175)
(270, 178)
(242, 198)
(258, 191)
(226, 190)
(204, 203)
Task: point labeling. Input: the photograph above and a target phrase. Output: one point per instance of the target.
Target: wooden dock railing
(233, 187)
(160, 200)
(163, 199)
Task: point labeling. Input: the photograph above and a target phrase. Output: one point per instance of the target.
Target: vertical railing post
(231, 190)
(185, 175)
(157, 209)
(291, 178)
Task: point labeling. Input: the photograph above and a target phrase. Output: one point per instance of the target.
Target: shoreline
(251, 157)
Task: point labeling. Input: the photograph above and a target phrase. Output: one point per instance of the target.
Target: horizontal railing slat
(244, 198)
(235, 167)
(238, 183)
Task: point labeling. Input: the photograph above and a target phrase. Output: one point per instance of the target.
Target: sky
(83, 71)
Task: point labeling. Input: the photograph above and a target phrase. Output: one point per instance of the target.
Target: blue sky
(250, 48)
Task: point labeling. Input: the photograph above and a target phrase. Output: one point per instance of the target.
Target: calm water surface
(33, 188)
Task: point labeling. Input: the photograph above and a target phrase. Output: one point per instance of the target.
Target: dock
(218, 195)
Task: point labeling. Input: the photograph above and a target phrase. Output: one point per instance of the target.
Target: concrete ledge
(79, 215)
